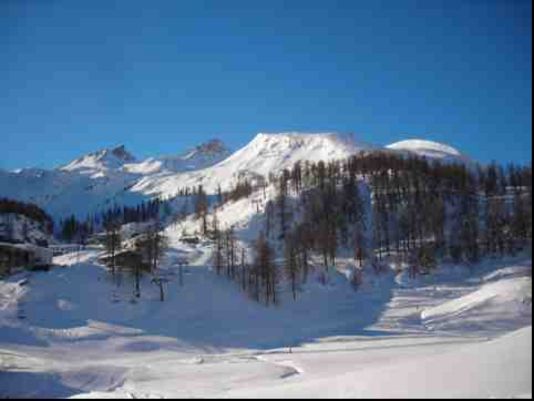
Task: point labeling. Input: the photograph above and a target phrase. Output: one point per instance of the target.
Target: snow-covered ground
(430, 149)
(74, 332)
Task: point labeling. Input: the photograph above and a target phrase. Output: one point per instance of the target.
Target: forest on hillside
(381, 208)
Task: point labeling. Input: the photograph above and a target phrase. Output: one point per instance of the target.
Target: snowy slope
(273, 152)
(201, 156)
(98, 163)
(498, 368)
(118, 159)
(61, 193)
(98, 180)
(73, 332)
(429, 149)
(507, 297)
(266, 153)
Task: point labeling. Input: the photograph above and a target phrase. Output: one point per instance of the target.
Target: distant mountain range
(100, 179)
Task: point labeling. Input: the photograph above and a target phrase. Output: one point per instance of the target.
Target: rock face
(102, 160)
(201, 156)
(97, 180)
(121, 153)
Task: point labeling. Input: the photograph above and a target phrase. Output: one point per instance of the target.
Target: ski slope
(72, 332)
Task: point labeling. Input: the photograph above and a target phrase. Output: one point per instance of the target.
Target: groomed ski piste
(458, 332)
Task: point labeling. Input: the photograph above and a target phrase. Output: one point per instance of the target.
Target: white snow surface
(429, 149)
(510, 298)
(97, 181)
(73, 332)
(266, 153)
(98, 162)
(274, 152)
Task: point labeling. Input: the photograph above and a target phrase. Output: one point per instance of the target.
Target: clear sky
(161, 76)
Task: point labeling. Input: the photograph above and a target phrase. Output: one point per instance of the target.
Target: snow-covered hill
(201, 156)
(273, 152)
(429, 149)
(98, 163)
(74, 332)
(266, 153)
(99, 179)
(61, 193)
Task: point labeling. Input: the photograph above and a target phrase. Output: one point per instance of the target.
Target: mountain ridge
(113, 175)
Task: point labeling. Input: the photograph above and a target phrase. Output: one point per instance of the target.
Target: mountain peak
(121, 153)
(104, 159)
(300, 138)
(271, 152)
(211, 148)
(201, 156)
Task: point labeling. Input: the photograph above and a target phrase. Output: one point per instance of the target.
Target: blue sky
(76, 76)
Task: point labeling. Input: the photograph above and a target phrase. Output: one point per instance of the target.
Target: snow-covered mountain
(62, 193)
(271, 152)
(429, 149)
(266, 153)
(101, 161)
(120, 160)
(201, 156)
(98, 180)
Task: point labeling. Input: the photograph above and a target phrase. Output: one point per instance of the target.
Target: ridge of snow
(266, 153)
(201, 156)
(104, 159)
(429, 149)
(271, 152)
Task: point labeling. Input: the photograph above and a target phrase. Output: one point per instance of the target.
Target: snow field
(84, 336)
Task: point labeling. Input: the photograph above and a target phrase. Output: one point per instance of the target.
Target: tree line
(420, 209)
(79, 230)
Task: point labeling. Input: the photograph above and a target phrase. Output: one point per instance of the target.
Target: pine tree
(265, 268)
(291, 264)
(113, 242)
(201, 208)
